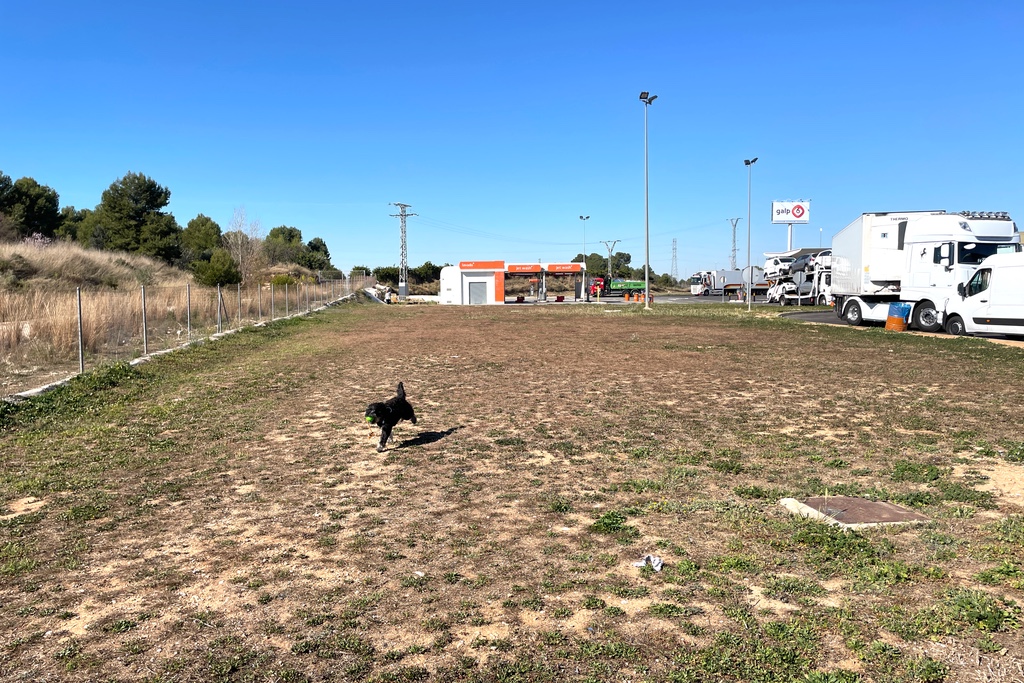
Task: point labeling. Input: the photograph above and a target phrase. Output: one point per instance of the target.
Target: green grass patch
(905, 470)
(1009, 530)
(959, 610)
(613, 523)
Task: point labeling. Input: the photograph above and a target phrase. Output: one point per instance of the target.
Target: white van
(992, 301)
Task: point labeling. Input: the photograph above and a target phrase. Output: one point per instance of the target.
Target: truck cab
(915, 257)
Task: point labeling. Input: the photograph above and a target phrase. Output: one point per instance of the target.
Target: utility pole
(674, 271)
(610, 247)
(732, 257)
(403, 269)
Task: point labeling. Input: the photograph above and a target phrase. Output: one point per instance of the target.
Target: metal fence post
(239, 305)
(272, 312)
(188, 309)
(145, 332)
(286, 299)
(259, 301)
(81, 337)
(218, 310)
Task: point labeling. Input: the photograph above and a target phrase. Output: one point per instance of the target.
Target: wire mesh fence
(48, 335)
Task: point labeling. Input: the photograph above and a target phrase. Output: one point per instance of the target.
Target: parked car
(801, 264)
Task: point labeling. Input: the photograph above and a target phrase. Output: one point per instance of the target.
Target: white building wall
(451, 286)
(455, 286)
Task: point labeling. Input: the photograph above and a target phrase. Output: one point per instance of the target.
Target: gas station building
(483, 282)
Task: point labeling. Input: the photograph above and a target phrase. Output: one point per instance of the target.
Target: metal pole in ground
(188, 310)
(239, 305)
(259, 301)
(286, 300)
(272, 312)
(145, 332)
(749, 163)
(218, 310)
(647, 99)
(81, 345)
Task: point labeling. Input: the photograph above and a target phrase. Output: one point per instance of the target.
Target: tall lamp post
(647, 99)
(585, 219)
(749, 163)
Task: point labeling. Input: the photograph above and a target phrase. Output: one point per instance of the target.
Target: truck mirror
(961, 290)
(946, 255)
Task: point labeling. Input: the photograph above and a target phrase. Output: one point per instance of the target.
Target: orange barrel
(896, 323)
(899, 314)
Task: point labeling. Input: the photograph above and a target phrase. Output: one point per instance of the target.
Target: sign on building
(791, 212)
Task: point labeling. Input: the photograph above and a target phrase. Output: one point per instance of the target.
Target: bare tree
(244, 241)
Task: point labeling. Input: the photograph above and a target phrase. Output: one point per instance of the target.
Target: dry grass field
(129, 304)
(220, 514)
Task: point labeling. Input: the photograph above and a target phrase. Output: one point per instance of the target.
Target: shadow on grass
(423, 438)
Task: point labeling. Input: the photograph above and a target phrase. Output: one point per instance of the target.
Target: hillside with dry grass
(66, 265)
(129, 305)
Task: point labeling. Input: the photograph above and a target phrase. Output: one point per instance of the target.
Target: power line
(473, 232)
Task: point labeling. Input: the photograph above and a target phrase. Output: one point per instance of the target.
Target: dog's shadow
(423, 438)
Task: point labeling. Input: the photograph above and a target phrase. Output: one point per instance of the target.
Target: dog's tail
(401, 391)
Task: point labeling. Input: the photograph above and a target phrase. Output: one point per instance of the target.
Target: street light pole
(585, 219)
(749, 163)
(647, 99)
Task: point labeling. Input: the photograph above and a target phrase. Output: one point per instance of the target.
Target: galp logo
(797, 211)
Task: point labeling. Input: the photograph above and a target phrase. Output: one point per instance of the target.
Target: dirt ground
(224, 515)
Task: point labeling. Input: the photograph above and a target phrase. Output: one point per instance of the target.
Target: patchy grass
(221, 513)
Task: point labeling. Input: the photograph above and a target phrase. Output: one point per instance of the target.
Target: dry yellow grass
(60, 265)
(39, 309)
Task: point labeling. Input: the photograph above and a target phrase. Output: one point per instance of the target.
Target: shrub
(221, 269)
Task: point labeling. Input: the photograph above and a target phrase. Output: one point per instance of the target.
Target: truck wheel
(821, 300)
(955, 326)
(926, 318)
(853, 315)
(783, 301)
(707, 292)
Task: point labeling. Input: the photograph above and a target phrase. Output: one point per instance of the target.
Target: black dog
(388, 414)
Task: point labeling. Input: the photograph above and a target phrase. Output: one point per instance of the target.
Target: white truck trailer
(716, 282)
(917, 257)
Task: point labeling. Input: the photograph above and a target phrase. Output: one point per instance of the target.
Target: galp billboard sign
(791, 212)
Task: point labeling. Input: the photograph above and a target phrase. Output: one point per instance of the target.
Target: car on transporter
(777, 266)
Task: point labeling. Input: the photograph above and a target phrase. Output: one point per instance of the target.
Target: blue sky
(502, 123)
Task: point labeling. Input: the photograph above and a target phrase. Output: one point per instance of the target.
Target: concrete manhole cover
(850, 512)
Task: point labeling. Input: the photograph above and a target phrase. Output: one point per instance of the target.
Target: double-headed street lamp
(647, 99)
(749, 163)
(585, 219)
